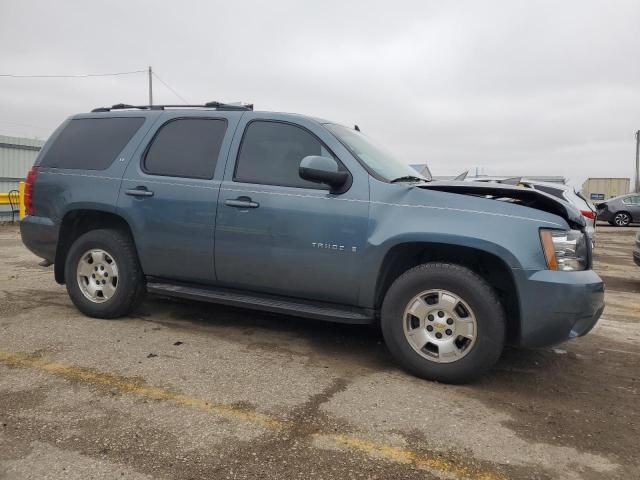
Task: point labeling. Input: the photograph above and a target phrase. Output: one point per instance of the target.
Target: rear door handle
(139, 192)
(241, 202)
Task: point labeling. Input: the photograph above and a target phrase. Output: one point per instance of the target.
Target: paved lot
(197, 391)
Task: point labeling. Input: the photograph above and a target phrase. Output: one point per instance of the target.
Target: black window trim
(143, 157)
(285, 122)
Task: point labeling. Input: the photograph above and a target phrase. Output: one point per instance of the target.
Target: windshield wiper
(409, 178)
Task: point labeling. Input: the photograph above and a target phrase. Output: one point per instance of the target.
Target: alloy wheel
(622, 219)
(440, 326)
(97, 275)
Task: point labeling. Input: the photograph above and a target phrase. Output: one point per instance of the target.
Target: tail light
(28, 190)
(589, 214)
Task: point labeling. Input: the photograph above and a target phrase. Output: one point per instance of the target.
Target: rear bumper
(604, 215)
(40, 235)
(556, 306)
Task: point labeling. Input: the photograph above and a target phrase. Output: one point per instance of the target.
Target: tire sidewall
(110, 242)
(490, 330)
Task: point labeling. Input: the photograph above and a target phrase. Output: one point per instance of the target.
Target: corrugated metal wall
(16, 157)
(600, 189)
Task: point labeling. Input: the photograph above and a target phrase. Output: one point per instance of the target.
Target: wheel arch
(78, 222)
(490, 266)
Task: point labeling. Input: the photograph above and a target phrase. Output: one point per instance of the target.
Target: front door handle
(139, 192)
(241, 202)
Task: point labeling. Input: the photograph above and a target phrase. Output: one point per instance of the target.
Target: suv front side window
(376, 159)
(271, 151)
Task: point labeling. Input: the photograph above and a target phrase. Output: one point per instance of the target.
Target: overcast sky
(511, 87)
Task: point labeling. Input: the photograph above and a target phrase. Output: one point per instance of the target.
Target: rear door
(277, 233)
(170, 191)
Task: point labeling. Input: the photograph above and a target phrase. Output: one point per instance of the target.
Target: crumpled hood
(526, 197)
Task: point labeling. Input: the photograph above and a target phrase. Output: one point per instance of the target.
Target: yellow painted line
(136, 387)
(123, 384)
(403, 455)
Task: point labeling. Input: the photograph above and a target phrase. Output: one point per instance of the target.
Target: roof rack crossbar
(216, 105)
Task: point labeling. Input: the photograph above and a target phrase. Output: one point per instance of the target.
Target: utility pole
(150, 86)
(637, 189)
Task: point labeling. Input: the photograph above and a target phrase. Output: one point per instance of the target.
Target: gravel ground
(198, 391)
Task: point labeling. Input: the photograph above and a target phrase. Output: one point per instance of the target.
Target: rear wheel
(622, 219)
(103, 275)
(443, 322)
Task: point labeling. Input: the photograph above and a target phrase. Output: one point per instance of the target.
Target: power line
(87, 75)
(82, 75)
(166, 85)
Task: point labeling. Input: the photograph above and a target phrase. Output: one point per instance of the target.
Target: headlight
(564, 249)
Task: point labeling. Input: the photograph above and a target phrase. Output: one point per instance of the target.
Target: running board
(269, 303)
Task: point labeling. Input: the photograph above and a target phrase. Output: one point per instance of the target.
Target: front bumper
(40, 235)
(556, 306)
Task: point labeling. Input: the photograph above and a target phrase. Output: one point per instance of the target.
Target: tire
(95, 254)
(475, 338)
(622, 219)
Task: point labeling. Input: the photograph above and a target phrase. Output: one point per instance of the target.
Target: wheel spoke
(465, 327)
(108, 290)
(447, 302)
(419, 310)
(418, 337)
(85, 269)
(91, 289)
(448, 350)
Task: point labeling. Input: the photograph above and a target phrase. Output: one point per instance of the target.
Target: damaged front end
(515, 195)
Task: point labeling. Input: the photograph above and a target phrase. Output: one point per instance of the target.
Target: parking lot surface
(199, 391)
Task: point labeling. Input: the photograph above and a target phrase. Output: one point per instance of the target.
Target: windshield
(381, 162)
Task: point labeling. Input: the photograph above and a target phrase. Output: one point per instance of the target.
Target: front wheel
(622, 219)
(443, 322)
(103, 275)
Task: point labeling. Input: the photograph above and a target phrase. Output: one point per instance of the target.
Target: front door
(277, 233)
(170, 190)
(633, 204)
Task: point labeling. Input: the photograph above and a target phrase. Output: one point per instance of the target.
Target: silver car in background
(559, 190)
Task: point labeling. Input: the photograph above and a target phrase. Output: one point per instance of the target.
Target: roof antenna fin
(357, 128)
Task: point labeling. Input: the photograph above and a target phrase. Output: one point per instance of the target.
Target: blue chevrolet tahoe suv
(303, 216)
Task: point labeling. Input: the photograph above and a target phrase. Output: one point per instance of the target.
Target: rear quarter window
(91, 143)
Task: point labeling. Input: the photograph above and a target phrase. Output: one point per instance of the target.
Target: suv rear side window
(91, 143)
(271, 152)
(186, 147)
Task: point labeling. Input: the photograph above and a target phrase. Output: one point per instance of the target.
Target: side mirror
(325, 170)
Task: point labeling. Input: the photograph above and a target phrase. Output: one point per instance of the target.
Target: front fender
(402, 214)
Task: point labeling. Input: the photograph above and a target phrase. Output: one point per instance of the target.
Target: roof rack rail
(216, 105)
